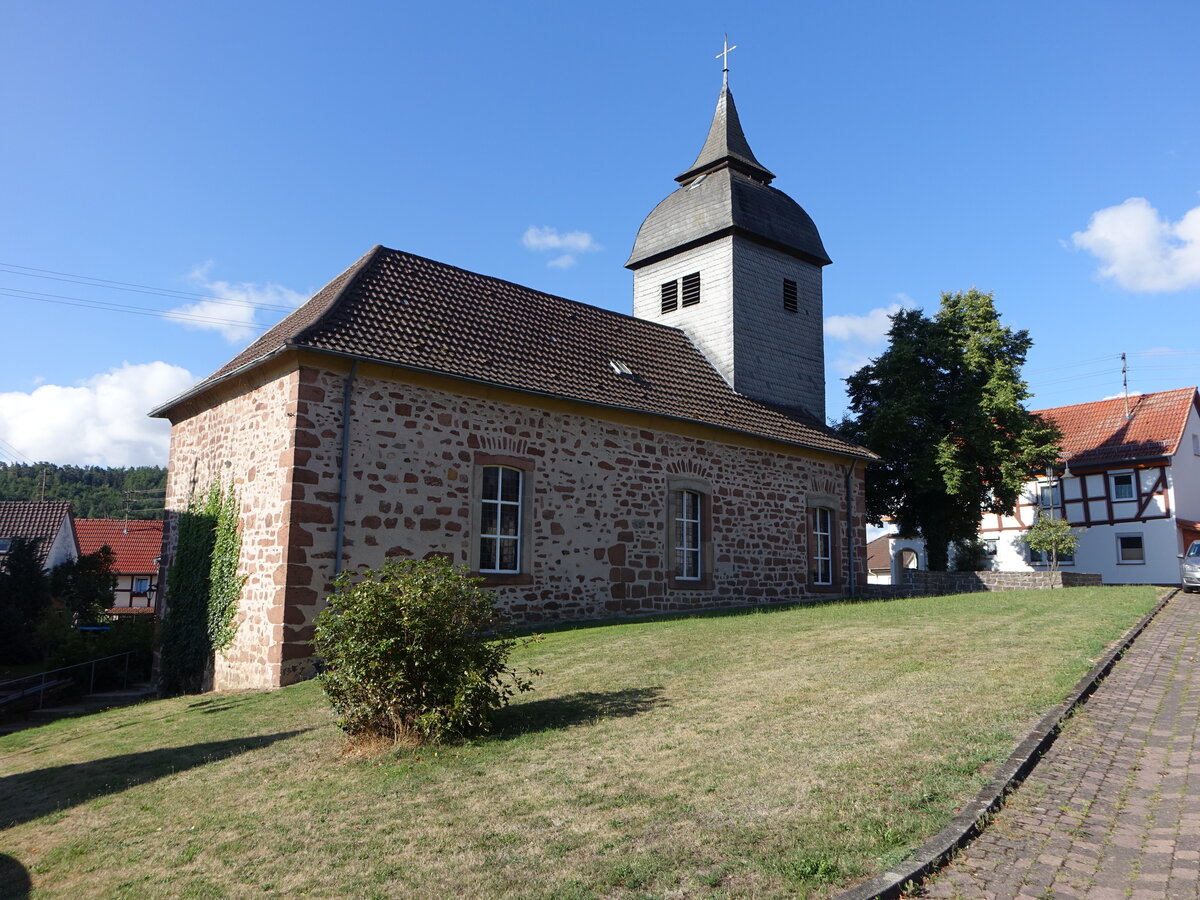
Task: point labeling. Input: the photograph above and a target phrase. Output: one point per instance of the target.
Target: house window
(791, 301)
(822, 529)
(1196, 444)
(500, 519)
(5, 543)
(1040, 558)
(141, 584)
(691, 289)
(1122, 486)
(689, 558)
(1048, 496)
(990, 547)
(1130, 550)
(670, 296)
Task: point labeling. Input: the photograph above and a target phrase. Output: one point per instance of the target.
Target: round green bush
(407, 653)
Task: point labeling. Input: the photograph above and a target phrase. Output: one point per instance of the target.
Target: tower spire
(726, 145)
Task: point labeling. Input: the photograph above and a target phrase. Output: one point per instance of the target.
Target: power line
(131, 287)
(108, 306)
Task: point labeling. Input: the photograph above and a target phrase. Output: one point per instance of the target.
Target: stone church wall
(599, 506)
(247, 442)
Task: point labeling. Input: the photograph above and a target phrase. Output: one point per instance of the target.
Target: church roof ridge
(405, 310)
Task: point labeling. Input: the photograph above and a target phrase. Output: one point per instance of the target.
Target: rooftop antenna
(1125, 381)
(724, 55)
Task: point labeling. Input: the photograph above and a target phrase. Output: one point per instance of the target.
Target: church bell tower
(736, 264)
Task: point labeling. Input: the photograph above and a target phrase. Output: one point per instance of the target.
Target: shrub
(407, 654)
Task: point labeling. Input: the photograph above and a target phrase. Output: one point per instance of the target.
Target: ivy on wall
(203, 588)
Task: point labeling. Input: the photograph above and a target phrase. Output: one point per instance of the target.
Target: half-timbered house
(1128, 481)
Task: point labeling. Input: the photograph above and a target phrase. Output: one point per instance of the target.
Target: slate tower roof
(726, 191)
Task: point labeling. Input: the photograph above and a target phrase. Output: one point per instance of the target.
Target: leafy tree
(1052, 537)
(407, 653)
(944, 408)
(85, 585)
(24, 599)
(95, 492)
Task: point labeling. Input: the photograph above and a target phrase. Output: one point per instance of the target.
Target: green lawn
(769, 754)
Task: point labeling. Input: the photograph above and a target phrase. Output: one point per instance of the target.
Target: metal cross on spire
(724, 54)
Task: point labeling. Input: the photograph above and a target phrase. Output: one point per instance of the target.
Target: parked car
(1189, 568)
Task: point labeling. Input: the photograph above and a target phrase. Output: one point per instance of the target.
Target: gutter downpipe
(343, 469)
(853, 581)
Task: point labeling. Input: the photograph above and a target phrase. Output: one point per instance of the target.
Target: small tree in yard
(1052, 538)
(85, 585)
(407, 653)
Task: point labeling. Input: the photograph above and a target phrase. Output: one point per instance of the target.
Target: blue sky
(1048, 152)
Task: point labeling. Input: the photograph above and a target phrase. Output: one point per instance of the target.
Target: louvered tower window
(670, 296)
(791, 301)
(691, 289)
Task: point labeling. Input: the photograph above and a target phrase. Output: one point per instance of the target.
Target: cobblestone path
(1112, 812)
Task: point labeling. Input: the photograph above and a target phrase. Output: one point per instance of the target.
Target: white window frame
(1121, 560)
(991, 546)
(823, 545)
(1132, 476)
(144, 579)
(491, 511)
(688, 528)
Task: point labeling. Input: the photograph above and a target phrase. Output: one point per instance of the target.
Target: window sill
(502, 579)
(700, 584)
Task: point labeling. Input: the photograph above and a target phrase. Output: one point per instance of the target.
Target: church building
(586, 464)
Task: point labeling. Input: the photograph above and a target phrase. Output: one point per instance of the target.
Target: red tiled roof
(1099, 434)
(34, 519)
(408, 311)
(136, 542)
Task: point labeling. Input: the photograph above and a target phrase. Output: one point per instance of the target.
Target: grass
(785, 753)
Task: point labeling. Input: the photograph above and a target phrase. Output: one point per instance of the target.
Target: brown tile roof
(879, 553)
(405, 310)
(136, 543)
(1098, 434)
(34, 519)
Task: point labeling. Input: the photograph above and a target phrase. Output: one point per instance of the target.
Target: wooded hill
(97, 493)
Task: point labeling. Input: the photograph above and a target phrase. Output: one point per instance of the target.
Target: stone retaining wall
(928, 584)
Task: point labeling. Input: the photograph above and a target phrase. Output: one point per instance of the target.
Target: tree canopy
(94, 492)
(943, 407)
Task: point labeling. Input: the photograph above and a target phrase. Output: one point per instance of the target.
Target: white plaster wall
(1185, 473)
(64, 547)
(1098, 553)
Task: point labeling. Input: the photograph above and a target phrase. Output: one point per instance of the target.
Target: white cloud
(234, 307)
(1142, 251)
(547, 239)
(101, 421)
(871, 328)
(862, 337)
